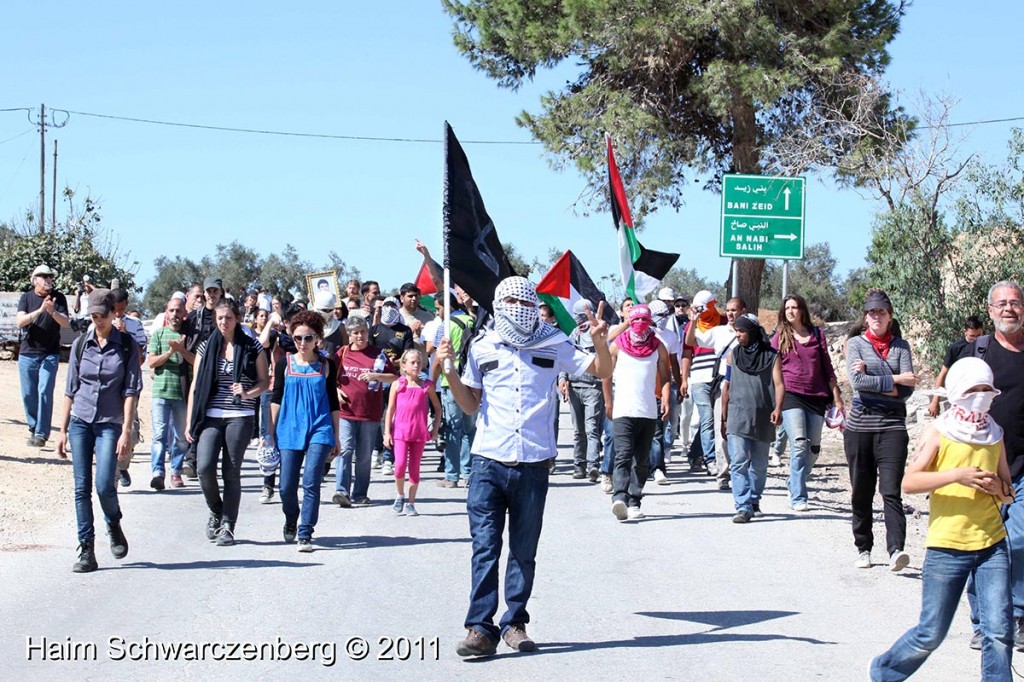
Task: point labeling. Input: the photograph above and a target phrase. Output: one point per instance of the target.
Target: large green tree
(690, 89)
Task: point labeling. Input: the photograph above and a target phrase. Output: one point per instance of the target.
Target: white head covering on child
(967, 420)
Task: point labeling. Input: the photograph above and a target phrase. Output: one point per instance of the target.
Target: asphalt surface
(683, 594)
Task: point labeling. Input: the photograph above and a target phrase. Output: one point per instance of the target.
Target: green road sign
(762, 217)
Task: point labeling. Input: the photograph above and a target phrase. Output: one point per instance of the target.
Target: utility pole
(42, 123)
(53, 211)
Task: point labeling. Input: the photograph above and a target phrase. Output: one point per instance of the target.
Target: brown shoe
(476, 644)
(445, 483)
(517, 638)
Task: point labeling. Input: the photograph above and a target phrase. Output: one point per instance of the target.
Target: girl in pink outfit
(405, 426)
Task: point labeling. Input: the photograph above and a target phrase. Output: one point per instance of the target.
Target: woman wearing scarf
(811, 387)
(961, 461)
(752, 395)
(641, 374)
(881, 373)
(231, 373)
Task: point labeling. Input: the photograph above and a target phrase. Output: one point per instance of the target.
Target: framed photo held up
(317, 282)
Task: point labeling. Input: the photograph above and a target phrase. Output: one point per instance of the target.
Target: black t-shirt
(1008, 407)
(953, 352)
(42, 337)
(393, 340)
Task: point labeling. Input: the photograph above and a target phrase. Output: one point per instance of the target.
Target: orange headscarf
(710, 318)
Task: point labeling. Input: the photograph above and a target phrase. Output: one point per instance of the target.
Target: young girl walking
(961, 461)
(405, 426)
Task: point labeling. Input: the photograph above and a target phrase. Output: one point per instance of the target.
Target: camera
(79, 324)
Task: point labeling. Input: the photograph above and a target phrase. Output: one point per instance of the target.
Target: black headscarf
(759, 354)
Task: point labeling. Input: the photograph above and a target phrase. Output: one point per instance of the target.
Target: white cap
(667, 294)
(324, 300)
(42, 270)
(703, 297)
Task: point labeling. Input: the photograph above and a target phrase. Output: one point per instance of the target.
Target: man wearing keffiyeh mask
(509, 377)
(664, 435)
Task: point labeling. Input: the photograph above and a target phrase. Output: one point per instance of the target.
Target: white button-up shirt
(517, 405)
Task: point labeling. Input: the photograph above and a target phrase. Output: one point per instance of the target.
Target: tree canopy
(689, 89)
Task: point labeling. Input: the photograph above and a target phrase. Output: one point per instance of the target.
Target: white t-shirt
(718, 339)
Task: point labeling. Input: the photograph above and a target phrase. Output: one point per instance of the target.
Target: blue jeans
(357, 439)
(520, 492)
(664, 435)
(265, 413)
(99, 442)
(944, 575)
(702, 398)
(38, 373)
(312, 476)
(804, 431)
(749, 469)
(168, 435)
(586, 404)
(608, 441)
(460, 428)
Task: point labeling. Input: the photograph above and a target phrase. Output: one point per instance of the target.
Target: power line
(16, 136)
(257, 131)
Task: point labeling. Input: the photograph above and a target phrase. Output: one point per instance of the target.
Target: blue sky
(384, 69)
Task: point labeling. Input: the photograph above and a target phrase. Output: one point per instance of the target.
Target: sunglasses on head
(305, 338)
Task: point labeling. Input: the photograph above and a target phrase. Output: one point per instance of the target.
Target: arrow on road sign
(790, 237)
(786, 193)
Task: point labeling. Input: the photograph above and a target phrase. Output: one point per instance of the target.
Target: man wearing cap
(509, 377)
(82, 292)
(586, 402)
(202, 321)
(334, 331)
(42, 312)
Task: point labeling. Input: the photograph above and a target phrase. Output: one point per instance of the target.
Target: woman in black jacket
(231, 373)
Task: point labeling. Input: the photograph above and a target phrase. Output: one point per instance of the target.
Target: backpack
(981, 346)
(79, 348)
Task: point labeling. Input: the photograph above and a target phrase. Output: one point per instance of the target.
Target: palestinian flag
(642, 269)
(564, 284)
(426, 286)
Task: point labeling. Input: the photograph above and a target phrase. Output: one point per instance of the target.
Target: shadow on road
(36, 460)
(219, 563)
(366, 541)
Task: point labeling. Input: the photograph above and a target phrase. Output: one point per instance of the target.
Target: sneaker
(711, 467)
(976, 641)
(863, 560)
(305, 546)
(118, 542)
(1018, 634)
(579, 474)
(176, 481)
(267, 495)
(898, 560)
(725, 486)
(410, 509)
(212, 526)
(289, 532)
(517, 639)
(362, 501)
(35, 442)
(757, 511)
(799, 507)
(188, 470)
(476, 643)
(606, 484)
(619, 510)
(660, 478)
(226, 534)
(398, 505)
(341, 499)
(124, 479)
(695, 466)
(446, 483)
(387, 469)
(594, 474)
(157, 483)
(634, 514)
(86, 558)
(741, 517)
(774, 460)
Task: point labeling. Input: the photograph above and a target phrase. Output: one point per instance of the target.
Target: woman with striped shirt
(231, 373)
(881, 373)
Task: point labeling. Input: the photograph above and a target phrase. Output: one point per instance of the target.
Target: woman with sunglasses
(304, 414)
(230, 374)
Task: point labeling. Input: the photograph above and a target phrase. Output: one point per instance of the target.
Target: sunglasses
(305, 338)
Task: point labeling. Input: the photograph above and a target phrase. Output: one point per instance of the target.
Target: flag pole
(447, 315)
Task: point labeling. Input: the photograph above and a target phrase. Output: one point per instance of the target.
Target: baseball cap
(101, 301)
(667, 294)
(213, 283)
(43, 270)
(703, 297)
(325, 300)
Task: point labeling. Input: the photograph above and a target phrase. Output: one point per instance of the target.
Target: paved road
(684, 594)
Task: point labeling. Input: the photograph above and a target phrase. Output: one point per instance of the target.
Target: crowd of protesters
(366, 381)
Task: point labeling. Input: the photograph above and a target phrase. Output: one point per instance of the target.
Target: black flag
(472, 251)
